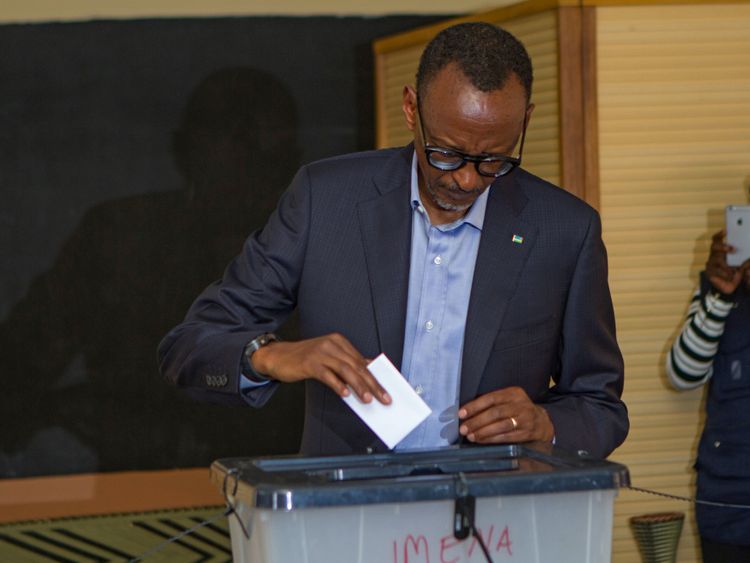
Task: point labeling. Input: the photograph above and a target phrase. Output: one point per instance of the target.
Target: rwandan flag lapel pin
(517, 239)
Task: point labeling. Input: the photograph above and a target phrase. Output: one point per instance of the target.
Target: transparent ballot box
(521, 503)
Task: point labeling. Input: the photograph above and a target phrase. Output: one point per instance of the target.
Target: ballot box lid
(295, 482)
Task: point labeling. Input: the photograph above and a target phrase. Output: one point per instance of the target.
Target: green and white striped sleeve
(690, 360)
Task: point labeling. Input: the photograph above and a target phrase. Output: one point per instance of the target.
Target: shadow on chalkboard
(82, 389)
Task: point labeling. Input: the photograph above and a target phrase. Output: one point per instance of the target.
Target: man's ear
(409, 107)
(529, 110)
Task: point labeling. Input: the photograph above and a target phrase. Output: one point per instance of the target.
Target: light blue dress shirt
(440, 278)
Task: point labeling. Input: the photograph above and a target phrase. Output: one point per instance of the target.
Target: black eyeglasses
(492, 166)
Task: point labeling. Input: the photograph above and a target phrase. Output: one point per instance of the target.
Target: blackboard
(135, 157)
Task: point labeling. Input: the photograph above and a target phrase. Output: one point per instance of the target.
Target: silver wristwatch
(250, 348)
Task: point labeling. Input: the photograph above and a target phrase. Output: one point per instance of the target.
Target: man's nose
(468, 179)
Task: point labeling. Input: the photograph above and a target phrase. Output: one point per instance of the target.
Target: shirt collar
(475, 214)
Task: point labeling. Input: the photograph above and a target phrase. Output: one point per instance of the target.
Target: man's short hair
(485, 53)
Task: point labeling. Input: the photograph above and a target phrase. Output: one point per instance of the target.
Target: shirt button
(438, 260)
(428, 325)
(717, 444)
(419, 390)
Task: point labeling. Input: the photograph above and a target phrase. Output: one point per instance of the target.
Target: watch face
(259, 342)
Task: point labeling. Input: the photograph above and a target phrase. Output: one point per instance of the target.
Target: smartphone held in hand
(738, 233)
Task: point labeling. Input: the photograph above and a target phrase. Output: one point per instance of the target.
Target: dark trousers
(715, 552)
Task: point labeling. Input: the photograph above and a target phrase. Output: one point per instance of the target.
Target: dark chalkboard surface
(135, 157)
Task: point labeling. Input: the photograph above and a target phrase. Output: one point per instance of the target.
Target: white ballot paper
(391, 422)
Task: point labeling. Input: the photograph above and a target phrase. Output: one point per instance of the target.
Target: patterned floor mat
(119, 537)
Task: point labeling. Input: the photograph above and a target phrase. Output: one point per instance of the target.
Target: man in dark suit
(486, 285)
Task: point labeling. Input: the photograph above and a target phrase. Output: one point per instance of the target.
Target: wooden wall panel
(579, 153)
(674, 149)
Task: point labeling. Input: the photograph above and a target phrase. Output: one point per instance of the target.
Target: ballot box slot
(384, 471)
(401, 464)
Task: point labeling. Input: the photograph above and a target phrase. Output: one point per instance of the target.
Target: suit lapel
(385, 223)
(500, 260)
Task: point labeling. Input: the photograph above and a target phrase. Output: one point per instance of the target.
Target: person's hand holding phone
(725, 278)
(737, 234)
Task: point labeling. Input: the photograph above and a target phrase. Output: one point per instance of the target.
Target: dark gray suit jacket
(338, 247)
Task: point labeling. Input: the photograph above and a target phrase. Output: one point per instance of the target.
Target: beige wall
(674, 149)
(54, 10)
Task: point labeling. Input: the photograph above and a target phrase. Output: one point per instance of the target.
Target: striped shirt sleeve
(690, 360)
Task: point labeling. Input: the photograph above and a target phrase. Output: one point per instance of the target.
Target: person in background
(486, 286)
(713, 349)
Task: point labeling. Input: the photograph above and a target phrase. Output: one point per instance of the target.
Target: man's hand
(506, 415)
(330, 359)
(724, 278)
